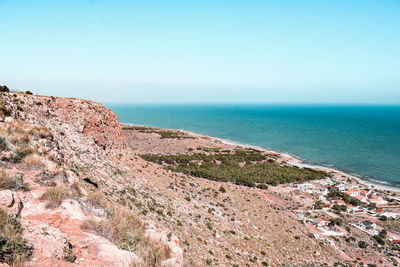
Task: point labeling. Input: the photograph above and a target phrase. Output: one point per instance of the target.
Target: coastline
(287, 158)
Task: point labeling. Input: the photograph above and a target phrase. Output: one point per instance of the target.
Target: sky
(203, 51)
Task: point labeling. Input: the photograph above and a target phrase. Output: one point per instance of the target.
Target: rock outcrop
(59, 166)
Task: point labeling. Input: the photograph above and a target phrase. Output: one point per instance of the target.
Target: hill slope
(77, 183)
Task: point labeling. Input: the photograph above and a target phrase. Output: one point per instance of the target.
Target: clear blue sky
(203, 51)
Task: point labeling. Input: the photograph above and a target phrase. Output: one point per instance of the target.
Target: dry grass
(41, 132)
(126, 230)
(76, 189)
(33, 161)
(20, 139)
(54, 196)
(5, 180)
(20, 133)
(97, 200)
(12, 182)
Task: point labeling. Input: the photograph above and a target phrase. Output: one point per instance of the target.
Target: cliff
(60, 165)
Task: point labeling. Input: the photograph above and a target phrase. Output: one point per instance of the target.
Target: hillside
(75, 189)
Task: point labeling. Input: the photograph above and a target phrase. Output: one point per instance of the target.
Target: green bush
(318, 205)
(69, 254)
(172, 134)
(13, 246)
(339, 208)
(362, 244)
(262, 186)
(336, 221)
(228, 167)
(346, 198)
(379, 239)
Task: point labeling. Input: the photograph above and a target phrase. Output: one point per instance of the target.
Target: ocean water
(361, 140)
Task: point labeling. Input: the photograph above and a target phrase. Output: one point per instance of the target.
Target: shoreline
(287, 158)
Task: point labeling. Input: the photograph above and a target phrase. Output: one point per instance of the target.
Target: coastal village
(340, 205)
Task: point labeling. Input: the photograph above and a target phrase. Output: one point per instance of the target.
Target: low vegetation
(14, 248)
(163, 133)
(4, 88)
(54, 196)
(19, 137)
(12, 182)
(244, 167)
(33, 161)
(3, 144)
(126, 230)
(69, 254)
(345, 197)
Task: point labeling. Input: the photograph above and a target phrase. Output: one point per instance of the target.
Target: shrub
(383, 218)
(346, 198)
(222, 189)
(262, 186)
(318, 205)
(3, 144)
(4, 88)
(379, 239)
(33, 161)
(14, 183)
(69, 254)
(28, 92)
(362, 244)
(54, 196)
(14, 248)
(336, 221)
(18, 155)
(339, 208)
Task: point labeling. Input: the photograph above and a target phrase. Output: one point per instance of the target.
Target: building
(305, 186)
(389, 215)
(361, 198)
(322, 222)
(367, 225)
(352, 192)
(326, 207)
(309, 188)
(377, 200)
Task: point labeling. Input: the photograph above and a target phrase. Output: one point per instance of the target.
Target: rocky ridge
(63, 151)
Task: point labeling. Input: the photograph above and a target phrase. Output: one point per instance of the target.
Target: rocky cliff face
(61, 162)
(66, 116)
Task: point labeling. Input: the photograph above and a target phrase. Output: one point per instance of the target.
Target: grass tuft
(54, 196)
(125, 229)
(33, 161)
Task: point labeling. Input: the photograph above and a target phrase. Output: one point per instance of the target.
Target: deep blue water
(362, 140)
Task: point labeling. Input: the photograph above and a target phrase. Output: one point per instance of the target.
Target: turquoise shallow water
(362, 140)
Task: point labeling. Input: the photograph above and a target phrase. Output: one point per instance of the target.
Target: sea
(361, 140)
